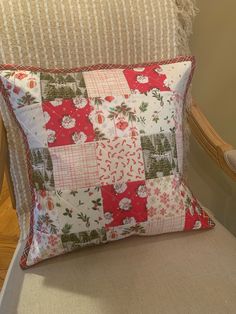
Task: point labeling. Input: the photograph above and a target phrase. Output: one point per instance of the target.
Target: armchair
(172, 273)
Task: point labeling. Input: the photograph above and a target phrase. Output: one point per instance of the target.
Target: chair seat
(191, 272)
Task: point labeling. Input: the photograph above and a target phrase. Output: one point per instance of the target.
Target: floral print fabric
(104, 148)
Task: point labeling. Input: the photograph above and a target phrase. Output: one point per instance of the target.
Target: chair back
(72, 33)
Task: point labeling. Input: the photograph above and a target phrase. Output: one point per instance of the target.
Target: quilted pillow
(104, 146)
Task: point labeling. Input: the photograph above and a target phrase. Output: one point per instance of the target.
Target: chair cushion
(181, 273)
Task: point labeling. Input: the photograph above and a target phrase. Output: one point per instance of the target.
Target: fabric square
(195, 217)
(67, 121)
(143, 79)
(165, 225)
(177, 75)
(113, 116)
(163, 198)
(45, 213)
(109, 82)
(120, 160)
(23, 87)
(80, 210)
(32, 121)
(42, 169)
(75, 166)
(159, 154)
(124, 203)
(172, 207)
(73, 241)
(155, 112)
(43, 246)
(62, 86)
(125, 231)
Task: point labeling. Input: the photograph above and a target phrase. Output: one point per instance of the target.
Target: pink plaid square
(106, 83)
(165, 225)
(75, 166)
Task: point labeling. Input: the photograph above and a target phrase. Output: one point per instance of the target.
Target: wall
(214, 45)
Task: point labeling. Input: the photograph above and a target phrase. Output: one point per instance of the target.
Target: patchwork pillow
(104, 146)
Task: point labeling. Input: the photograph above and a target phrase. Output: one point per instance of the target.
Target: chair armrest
(3, 152)
(221, 152)
(5, 163)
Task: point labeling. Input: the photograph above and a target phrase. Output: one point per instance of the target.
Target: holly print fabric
(104, 148)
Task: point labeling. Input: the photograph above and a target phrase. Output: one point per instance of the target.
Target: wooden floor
(9, 232)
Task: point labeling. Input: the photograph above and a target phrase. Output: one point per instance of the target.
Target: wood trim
(209, 139)
(5, 163)
(10, 183)
(3, 152)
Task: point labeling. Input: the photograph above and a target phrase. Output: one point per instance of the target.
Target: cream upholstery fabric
(72, 33)
(181, 273)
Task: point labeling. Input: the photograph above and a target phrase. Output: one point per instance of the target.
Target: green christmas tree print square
(62, 86)
(42, 169)
(159, 154)
(72, 241)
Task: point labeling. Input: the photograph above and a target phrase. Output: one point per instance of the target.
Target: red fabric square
(196, 217)
(146, 78)
(124, 203)
(67, 121)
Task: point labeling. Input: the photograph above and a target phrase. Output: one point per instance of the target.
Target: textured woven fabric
(70, 33)
(66, 33)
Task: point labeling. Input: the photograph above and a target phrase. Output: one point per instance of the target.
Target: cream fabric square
(120, 160)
